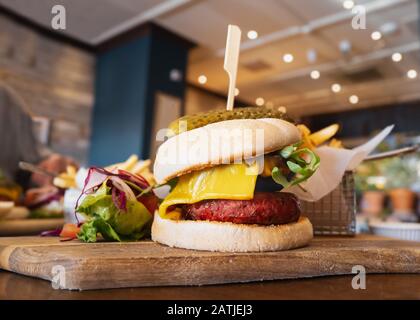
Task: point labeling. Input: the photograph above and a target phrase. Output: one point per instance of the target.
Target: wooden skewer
(392, 153)
(35, 169)
(233, 43)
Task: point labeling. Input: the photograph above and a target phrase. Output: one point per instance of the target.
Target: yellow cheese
(233, 181)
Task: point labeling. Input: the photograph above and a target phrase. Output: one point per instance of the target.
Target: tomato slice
(70, 230)
(150, 201)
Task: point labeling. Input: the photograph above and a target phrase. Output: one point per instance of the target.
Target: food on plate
(70, 230)
(45, 202)
(218, 204)
(5, 207)
(97, 203)
(68, 179)
(9, 191)
(313, 140)
(17, 213)
(135, 166)
(117, 204)
(335, 143)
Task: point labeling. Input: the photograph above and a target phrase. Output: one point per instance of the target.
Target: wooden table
(389, 255)
(396, 286)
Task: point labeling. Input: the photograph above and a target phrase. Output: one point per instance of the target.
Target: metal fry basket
(335, 214)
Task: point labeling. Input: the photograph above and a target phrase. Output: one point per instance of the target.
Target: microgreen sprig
(302, 162)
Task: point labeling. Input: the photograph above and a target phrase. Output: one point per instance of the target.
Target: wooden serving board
(26, 227)
(145, 263)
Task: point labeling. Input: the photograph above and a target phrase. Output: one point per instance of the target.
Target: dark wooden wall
(129, 73)
(54, 78)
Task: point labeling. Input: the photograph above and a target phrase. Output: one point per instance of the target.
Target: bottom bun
(231, 237)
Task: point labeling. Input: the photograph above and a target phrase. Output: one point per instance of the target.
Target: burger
(226, 180)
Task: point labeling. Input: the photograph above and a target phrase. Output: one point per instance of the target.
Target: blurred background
(99, 88)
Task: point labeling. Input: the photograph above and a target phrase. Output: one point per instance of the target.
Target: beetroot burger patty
(265, 208)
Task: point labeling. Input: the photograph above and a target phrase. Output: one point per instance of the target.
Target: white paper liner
(334, 163)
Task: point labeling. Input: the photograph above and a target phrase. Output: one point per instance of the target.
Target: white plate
(17, 213)
(5, 207)
(399, 230)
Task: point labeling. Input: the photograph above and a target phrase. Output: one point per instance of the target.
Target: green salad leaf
(104, 218)
(301, 165)
(89, 230)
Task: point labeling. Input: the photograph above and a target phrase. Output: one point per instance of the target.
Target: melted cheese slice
(233, 181)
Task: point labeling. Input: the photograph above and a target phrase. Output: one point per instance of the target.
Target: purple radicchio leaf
(120, 199)
(136, 179)
(51, 233)
(96, 176)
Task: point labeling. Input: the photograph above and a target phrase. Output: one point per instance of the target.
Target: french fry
(135, 166)
(312, 140)
(130, 163)
(64, 182)
(304, 129)
(141, 166)
(335, 143)
(307, 143)
(71, 171)
(66, 179)
(127, 165)
(323, 135)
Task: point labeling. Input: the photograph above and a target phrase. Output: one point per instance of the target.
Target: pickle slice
(198, 120)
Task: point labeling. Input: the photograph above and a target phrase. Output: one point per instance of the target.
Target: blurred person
(18, 143)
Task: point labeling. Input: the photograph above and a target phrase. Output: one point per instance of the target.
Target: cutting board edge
(75, 287)
(326, 266)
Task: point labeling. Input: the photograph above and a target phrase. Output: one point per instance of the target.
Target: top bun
(221, 143)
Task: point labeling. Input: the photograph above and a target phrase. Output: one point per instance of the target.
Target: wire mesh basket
(335, 214)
